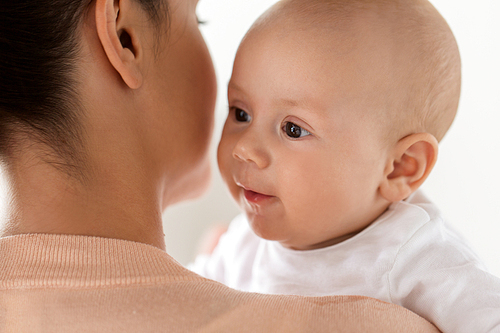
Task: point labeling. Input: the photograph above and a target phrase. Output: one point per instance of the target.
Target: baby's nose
(250, 150)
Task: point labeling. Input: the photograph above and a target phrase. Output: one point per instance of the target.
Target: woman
(106, 113)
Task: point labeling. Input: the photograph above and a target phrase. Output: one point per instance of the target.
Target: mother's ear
(116, 24)
(407, 168)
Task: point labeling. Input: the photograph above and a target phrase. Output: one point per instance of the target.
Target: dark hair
(39, 47)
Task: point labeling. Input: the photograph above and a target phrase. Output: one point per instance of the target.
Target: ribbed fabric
(62, 283)
(83, 262)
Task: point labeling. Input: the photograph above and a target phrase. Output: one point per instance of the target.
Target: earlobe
(409, 166)
(119, 40)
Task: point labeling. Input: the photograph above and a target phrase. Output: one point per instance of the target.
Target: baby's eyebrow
(289, 102)
(233, 86)
(306, 102)
(303, 102)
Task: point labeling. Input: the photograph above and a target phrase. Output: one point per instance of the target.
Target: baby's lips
(256, 197)
(251, 189)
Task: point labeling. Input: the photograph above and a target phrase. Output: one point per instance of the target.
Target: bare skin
(137, 162)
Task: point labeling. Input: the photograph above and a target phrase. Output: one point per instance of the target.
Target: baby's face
(301, 152)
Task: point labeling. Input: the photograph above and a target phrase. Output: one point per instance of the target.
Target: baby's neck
(332, 241)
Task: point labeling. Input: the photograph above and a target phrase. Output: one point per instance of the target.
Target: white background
(466, 179)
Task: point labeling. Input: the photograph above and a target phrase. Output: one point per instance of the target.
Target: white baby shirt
(408, 256)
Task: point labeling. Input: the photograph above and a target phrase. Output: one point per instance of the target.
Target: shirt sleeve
(436, 275)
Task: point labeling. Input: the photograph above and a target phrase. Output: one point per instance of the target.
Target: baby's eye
(294, 131)
(201, 22)
(241, 115)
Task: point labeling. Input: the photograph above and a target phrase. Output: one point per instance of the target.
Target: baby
(336, 108)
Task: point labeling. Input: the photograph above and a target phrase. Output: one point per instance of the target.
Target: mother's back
(58, 283)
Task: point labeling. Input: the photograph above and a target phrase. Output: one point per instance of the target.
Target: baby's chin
(287, 240)
(265, 229)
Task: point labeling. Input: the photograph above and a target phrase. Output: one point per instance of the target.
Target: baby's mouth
(255, 197)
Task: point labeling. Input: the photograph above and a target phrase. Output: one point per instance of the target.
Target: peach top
(59, 283)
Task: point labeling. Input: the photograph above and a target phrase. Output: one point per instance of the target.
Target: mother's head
(106, 113)
(107, 87)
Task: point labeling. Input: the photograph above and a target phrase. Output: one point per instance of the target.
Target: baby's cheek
(310, 197)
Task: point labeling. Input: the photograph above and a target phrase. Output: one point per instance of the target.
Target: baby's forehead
(319, 17)
(330, 29)
(335, 59)
(346, 55)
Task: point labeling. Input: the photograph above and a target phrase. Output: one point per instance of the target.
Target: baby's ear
(409, 164)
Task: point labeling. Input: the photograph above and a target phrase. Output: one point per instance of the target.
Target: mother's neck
(116, 202)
